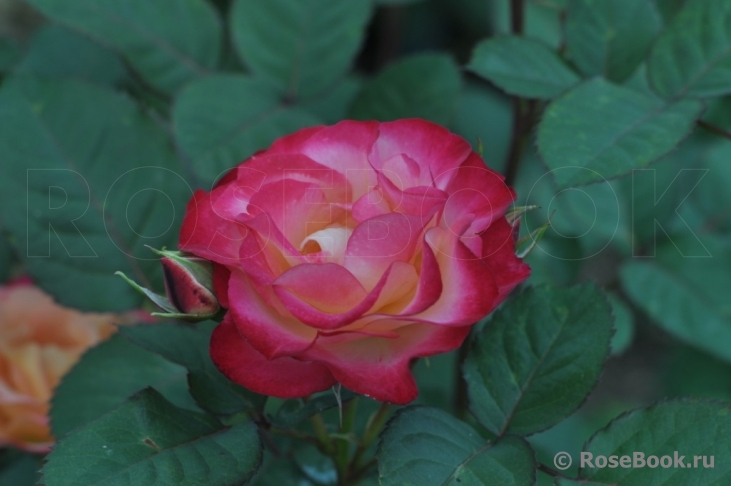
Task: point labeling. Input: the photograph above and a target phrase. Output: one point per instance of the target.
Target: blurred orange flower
(39, 342)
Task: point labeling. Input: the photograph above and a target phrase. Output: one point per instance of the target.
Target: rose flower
(39, 342)
(343, 253)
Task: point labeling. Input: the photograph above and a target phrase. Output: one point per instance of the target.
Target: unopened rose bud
(188, 284)
(188, 287)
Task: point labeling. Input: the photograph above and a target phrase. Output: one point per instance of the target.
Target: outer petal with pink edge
(380, 366)
(434, 147)
(348, 141)
(468, 288)
(281, 377)
(207, 234)
(270, 332)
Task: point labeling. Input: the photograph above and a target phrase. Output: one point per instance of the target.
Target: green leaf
(333, 106)
(301, 46)
(599, 130)
(6, 257)
(10, 54)
(18, 468)
(396, 2)
(538, 358)
(711, 199)
(542, 19)
(421, 86)
(624, 325)
(692, 57)
(485, 115)
(426, 446)
(522, 66)
(690, 427)
(99, 185)
(279, 471)
(169, 43)
(222, 120)
(188, 346)
(293, 412)
(58, 52)
(610, 38)
(688, 297)
(97, 378)
(147, 440)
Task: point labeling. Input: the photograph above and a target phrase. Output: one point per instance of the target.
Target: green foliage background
(612, 116)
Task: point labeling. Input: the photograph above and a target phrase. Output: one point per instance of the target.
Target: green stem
(323, 436)
(342, 441)
(373, 429)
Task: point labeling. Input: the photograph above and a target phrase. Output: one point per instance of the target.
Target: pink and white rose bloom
(343, 253)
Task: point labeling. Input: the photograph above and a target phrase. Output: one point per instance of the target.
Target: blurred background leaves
(113, 111)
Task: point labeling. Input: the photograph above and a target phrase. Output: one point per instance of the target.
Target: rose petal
(379, 367)
(434, 147)
(344, 147)
(469, 291)
(221, 274)
(270, 332)
(498, 248)
(208, 235)
(380, 241)
(284, 377)
(477, 191)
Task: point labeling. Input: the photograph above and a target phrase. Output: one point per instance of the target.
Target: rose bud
(188, 287)
(188, 284)
(39, 342)
(344, 253)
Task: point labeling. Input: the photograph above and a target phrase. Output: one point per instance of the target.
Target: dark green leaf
(169, 43)
(542, 19)
(188, 346)
(485, 115)
(147, 440)
(106, 376)
(280, 471)
(292, 412)
(624, 325)
(62, 53)
(222, 120)
(600, 130)
(669, 8)
(522, 67)
(316, 466)
(538, 358)
(686, 296)
(577, 482)
(712, 197)
(6, 257)
(690, 427)
(610, 37)
(10, 54)
(421, 86)
(692, 57)
(333, 106)
(426, 446)
(396, 2)
(302, 46)
(589, 219)
(18, 468)
(86, 192)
